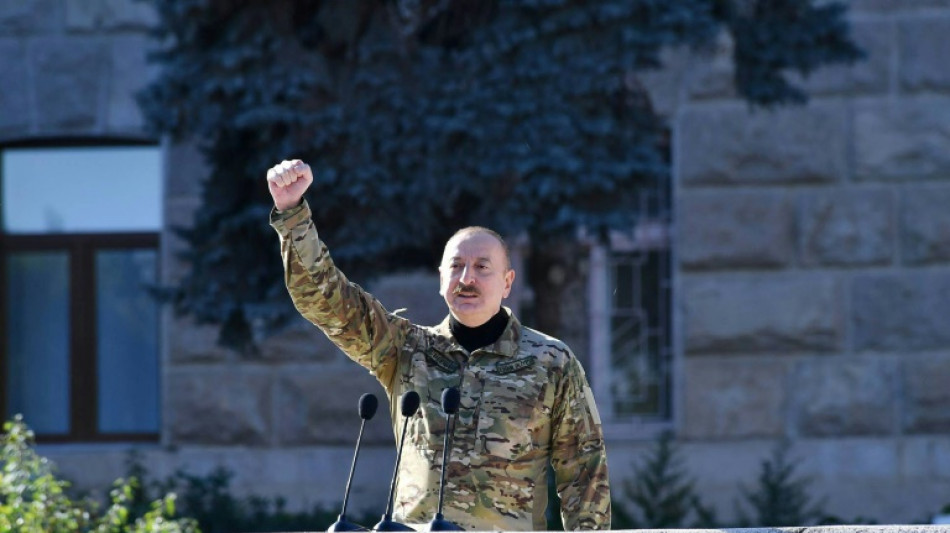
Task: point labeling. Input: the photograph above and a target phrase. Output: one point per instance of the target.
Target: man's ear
(509, 280)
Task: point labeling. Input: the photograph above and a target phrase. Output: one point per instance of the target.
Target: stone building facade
(810, 274)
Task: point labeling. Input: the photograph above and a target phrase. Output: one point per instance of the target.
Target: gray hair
(472, 230)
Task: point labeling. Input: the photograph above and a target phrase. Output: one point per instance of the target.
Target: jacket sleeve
(351, 317)
(579, 457)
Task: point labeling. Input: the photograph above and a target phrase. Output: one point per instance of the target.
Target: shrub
(210, 501)
(780, 498)
(660, 494)
(34, 500)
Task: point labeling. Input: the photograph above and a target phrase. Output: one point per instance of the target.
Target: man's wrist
(290, 217)
(281, 209)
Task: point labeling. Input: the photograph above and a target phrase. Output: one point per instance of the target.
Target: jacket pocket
(514, 413)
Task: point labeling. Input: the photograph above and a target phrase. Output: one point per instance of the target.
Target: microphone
(450, 405)
(368, 405)
(408, 405)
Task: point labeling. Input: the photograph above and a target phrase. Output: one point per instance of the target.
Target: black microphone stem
(392, 486)
(445, 457)
(450, 405)
(349, 481)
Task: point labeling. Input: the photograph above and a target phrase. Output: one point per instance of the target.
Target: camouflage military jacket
(525, 403)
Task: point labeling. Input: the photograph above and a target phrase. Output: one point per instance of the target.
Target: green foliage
(34, 500)
(426, 115)
(31, 498)
(660, 494)
(775, 36)
(209, 500)
(780, 498)
(159, 518)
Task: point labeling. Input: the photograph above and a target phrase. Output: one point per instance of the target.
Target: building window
(631, 323)
(78, 255)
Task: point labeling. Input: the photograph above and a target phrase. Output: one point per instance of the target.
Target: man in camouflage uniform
(525, 401)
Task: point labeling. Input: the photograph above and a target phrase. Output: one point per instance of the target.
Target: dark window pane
(37, 310)
(127, 334)
(640, 335)
(624, 284)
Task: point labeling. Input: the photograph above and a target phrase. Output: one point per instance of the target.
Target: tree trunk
(556, 277)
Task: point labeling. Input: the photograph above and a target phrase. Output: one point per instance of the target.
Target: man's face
(474, 277)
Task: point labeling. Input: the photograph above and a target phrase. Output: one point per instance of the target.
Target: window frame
(653, 231)
(600, 315)
(81, 249)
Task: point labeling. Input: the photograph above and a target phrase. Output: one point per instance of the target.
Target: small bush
(209, 500)
(34, 500)
(660, 494)
(779, 498)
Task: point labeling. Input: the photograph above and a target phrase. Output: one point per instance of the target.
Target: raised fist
(287, 181)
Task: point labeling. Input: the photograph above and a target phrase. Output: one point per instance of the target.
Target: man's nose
(467, 276)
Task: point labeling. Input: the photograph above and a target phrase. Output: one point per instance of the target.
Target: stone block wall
(812, 243)
(71, 67)
(813, 273)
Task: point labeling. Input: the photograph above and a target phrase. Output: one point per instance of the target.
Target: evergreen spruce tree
(660, 494)
(421, 116)
(779, 498)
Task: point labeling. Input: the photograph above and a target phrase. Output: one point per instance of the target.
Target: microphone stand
(368, 404)
(408, 406)
(450, 404)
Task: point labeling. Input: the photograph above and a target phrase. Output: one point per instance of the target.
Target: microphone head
(450, 400)
(409, 403)
(368, 405)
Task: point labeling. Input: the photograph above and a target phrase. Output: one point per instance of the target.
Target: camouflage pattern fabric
(525, 403)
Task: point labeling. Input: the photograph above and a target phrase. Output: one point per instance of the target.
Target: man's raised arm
(351, 317)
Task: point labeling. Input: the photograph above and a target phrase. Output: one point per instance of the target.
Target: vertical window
(640, 352)
(631, 319)
(78, 327)
(37, 348)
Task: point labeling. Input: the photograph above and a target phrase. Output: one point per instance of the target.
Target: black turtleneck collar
(474, 338)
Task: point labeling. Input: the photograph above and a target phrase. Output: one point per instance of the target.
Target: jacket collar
(505, 346)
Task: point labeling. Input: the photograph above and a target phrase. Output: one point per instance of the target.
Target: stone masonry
(814, 276)
(811, 276)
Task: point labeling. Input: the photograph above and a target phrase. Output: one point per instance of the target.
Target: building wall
(812, 277)
(814, 270)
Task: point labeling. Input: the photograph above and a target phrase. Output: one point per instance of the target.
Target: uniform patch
(442, 362)
(513, 366)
